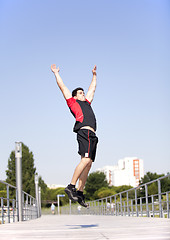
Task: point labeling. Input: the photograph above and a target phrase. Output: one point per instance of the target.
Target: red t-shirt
(83, 113)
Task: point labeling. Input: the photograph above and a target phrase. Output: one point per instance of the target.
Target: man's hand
(54, 69)
(63, 88)
(92, 88)
(94, 70)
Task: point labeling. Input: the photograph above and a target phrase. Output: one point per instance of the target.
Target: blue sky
(128, 40)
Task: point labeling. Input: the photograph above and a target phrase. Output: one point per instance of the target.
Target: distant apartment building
(128, 171)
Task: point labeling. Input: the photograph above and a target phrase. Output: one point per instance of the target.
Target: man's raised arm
(63, 88)
(92, 88)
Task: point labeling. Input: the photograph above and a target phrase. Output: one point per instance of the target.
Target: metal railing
(29, 207)
(133, 202)
(9, 210)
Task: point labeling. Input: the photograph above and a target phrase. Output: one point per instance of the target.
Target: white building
(54, 186)
(128, 172)
(108, 171)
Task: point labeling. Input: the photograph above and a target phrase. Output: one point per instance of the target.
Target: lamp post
(37, 195)
(58, 199)
(18, 163)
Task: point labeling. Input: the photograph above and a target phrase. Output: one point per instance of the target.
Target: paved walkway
(87, 227)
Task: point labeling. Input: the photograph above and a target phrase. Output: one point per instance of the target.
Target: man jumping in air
(85, 127)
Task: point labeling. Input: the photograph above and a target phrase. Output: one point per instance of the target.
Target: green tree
(122, 188)
(104, 192)
(3, 193)
(51, 196)
(165, 184)
(95, 181)
(153, 187)
(28, 170)
(2, 186)
(63, 200)
(44, 188)
(10, 173)
(148, 177)
(3, 190)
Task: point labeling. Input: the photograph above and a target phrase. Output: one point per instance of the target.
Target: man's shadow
(82, 226)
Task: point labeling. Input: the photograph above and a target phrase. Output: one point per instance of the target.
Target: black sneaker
(81, 201)
(71, 192)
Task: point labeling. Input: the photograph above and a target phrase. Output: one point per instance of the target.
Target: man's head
(78, 93)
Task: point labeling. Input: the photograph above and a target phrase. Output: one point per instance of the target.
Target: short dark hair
(74, 92)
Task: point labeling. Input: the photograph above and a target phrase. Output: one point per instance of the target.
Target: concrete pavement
(87, 227)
